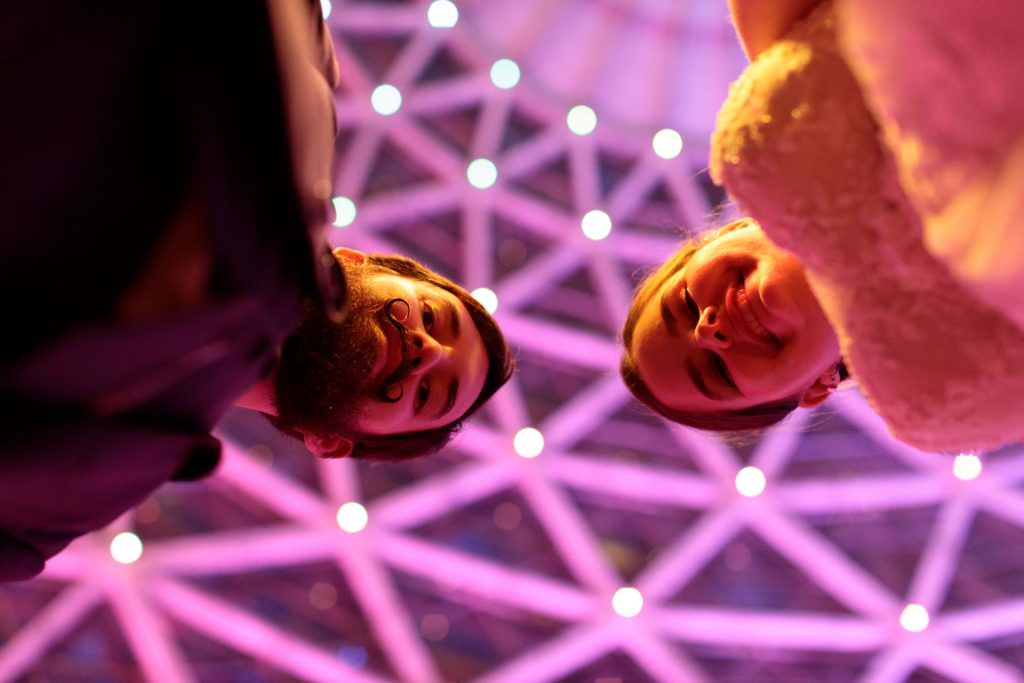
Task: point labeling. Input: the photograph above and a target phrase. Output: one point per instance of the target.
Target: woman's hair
(748, 419)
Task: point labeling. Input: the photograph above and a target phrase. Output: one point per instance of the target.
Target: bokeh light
(505, 74)
(352, 517)
(528, 442)
(386, 99)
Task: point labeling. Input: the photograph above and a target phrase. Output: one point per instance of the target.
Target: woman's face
(735, 327)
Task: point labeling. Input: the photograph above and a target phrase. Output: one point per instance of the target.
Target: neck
(260, 396)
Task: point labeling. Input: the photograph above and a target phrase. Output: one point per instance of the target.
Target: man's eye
(393, 392)
(423, 394)
(428, 317)
(691, 304)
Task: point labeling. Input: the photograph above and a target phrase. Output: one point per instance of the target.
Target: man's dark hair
(500, 367)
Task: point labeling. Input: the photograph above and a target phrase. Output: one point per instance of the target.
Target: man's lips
(392, 351)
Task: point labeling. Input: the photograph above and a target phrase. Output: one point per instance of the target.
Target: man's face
(419, 368)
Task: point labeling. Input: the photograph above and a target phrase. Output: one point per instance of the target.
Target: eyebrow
(698, 380)
(449, 401)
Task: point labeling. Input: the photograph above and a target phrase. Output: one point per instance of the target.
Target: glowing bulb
(126, 548)
(966, 466)
(325, 8)
(750, 482)
(505, 74)
(443, 14)
(627, 602)
(667, 143)
(487, 298)
(434, 627)
(344, 211)
(386, 99)
(482, 173)
(352, 517)
(528, 442)
(596, 224)
(581, 120)
(914, 618)
(507, 516)
(323, 596)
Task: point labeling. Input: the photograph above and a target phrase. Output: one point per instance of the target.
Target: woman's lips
(750, 317)
(764, 315)
(746, 321)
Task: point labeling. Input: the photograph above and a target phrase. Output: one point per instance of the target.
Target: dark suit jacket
(163, 171)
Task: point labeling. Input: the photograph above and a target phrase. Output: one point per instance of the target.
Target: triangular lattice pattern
(479, 565)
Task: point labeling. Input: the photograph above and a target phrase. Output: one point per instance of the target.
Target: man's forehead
(410, 283)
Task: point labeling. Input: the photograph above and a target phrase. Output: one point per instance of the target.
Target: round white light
(482, 173)
(386, 99)
(528, 442)
(126, 548)
(581, 120)
(505, 74)
(344, 211)
(627, 602)
(487, 298)
(596, 224)
(443, 14)
(914, 618)
(325, 8)
(352, 517)
(966, 466)
(750, 482)
(667, 143)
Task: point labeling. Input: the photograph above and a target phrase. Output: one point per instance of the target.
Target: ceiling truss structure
(561, 299)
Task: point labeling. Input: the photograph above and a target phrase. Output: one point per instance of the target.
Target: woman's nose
(712, 332)
(425, 352)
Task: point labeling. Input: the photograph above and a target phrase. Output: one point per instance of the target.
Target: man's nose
(424, 351)
(712, 330)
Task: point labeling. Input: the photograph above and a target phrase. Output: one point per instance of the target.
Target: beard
(325, 368)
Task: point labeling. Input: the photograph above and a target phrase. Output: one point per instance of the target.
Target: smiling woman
(867, 178)
(727, 335)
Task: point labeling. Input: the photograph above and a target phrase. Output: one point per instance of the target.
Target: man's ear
(821, 389)
(328, 445)
(351, 256)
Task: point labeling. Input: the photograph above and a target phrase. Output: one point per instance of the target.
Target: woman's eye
(423, 394)
(691, 304)
(719, 365)
(428, 317)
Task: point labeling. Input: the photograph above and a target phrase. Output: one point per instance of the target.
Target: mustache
(397, 377)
